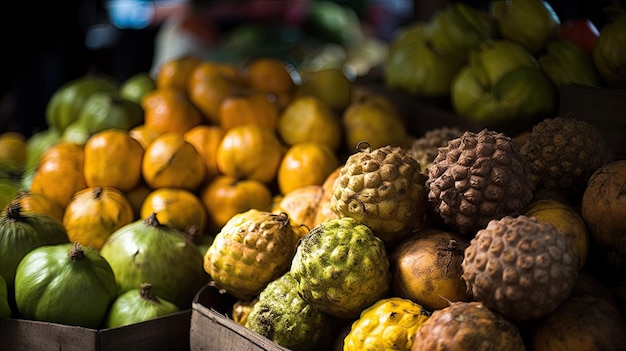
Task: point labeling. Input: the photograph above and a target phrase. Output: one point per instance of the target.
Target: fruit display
(324, 211)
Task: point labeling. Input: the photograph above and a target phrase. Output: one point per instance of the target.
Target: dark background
(46, 47)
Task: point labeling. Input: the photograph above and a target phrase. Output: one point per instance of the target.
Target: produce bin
(213, 330)
(602, 107)
(167, 333)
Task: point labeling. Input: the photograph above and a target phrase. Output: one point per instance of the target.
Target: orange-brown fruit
(305, 163)
(207, 92)
(206, 139)
(324, 209)
(112, 158)
(177, 208)
(171, 162)
(224, 196)
(39, 203)
(270, 75)
(175, 73)
(143, 134)
(170, 110)
(248, 107)
(301, 204)
(426, 268)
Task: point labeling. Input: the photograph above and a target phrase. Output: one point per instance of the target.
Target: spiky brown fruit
(467, 326)
(520, 267)
(476, 178)
(425, 148)
(564, 152)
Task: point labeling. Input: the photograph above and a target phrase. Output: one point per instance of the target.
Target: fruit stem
(14, 211)
(76, 253)
(152, 221)
(145, 291)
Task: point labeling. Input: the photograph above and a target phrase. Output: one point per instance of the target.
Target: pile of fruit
(507, 63)
(310, 203)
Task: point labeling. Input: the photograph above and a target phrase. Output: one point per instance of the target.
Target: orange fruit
(269, 75)
(251, 107)
(305, 163)
(143, 134)
(39, 203)
(175, 73)
(112, 158)
(171, 162)
(226, 196)
(13, 148)
(206, 139)
(207, 93)
(176, 208)
(169, 110)
(250, 151)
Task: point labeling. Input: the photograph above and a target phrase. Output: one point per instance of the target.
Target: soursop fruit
(467, 326)
(478, 177)
(341, 267)
(520, 267)
(281, 315)
(383, 189)
(564, 152)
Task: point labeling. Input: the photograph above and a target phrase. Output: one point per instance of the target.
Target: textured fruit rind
(281, 315)
(383, 189)
(478, 177)
(467, 326)
(520, 267)
(252, 249)
(341, 267)
(389, 324)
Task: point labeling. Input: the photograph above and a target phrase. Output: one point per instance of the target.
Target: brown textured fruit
(425, 148)
(564, 152)
(383, 189)
(520, 267)
(467, 326)
(476, 178)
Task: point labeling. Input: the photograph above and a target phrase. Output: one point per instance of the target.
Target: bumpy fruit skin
(425, 148)
(252, 249)
(467, 326)
(476, 178)
(564, 152)
(520, 267)
(281, 315)
(383, 189)
(389, 324)
(341, 267)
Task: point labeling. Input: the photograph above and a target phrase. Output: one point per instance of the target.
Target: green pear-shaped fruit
(135, 87)
(105, 110)
(459, 28)
(609, 53)
(531, 23)
(496, 58)
(418, 68)
(67, 101)
(76, 132)
(566, 63)
(523, 94)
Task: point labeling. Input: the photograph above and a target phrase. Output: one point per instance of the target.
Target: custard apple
(564, 152)
(383, 189)
(252, 249)
(341, 267)
(425, 148)
(281, 315)
(476, 178)
(520, 267)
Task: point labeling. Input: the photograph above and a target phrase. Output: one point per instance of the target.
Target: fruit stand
(437, 193)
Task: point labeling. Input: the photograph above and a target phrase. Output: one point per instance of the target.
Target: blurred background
(55, 42)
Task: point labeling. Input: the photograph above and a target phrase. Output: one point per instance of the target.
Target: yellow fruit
(94, 213)
(555, 210)
(330, 85)
(376, 121)
(177, 208)
(301, 204)
(389, 324)
(13, 148)
(305, 163)
(206, 139)
(308, 118)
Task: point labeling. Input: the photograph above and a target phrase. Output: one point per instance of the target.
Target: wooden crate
(167, 333)
(213, 330)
